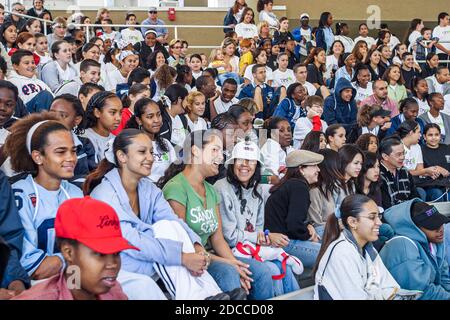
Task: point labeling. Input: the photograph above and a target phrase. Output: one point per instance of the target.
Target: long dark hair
(253, 183)
(139, 109)
(198, 138)
(323, 21)
(312, 141)
(370, 159)
(330, 177)
(405, 128)
(291, 173)
(122, 141)
(97, 101)
(350, 207)
(346, 155)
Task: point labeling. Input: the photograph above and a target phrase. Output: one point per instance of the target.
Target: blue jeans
(288, 283)
(226, 275)
(431, 194)
(320, 230)
(306, 251)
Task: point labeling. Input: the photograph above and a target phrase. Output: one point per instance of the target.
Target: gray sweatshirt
(241, 219)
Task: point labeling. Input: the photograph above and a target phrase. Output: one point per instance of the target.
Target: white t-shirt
(200, 124)
(423, 106)
(412, 38)
(178, 131)
(234, 62)
(113, 79)
(447, 104)
(413, 157)
(332, 63)
(306, 34)
(6, 166)
(100, 142)
(303, 126)
(249, 75)
(283, 78)
(274, 157)
(373, 131)
(246, 30)
(439, 121)
(222, 107)
(369, 40)
(131, 36)
(310, 88)
(196, 75)
(66, 75)
(161, 160)
(362, 93)
(443, 33)
(394, 41)
(349, 44)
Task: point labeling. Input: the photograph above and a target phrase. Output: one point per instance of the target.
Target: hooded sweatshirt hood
(399, 218)
(341, 85)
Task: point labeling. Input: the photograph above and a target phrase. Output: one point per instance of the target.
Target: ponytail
(352, 206)
(331, 233)
(96, 177)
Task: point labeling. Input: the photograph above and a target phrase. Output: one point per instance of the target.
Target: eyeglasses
(19, 10)
(373, 217)
(153, 12)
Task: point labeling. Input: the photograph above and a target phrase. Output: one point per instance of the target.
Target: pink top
(387, 104)
(55, 288)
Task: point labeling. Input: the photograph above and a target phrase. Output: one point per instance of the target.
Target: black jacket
(145, 51)
(286, 210)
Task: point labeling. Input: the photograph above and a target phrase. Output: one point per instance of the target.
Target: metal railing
(139, 26)
(45, 22)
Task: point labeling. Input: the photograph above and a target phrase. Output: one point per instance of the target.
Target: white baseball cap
(247, 150)
(304, 15)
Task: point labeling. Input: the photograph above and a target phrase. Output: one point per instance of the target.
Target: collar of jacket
(367, 248)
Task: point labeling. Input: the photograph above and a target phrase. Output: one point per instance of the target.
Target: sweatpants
(178, 280)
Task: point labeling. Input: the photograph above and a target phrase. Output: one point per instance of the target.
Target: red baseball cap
(93, 223)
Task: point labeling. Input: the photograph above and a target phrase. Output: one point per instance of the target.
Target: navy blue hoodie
(336, 110)
(12, 233)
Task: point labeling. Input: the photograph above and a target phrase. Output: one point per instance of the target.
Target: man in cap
(89, 237)
(416, 256)
(162, 34)
(303, 35)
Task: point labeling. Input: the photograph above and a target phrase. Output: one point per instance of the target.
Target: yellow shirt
(245, 61)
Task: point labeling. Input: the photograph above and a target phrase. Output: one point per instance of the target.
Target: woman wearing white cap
(242, 212)
(129, 60)
(286, 210)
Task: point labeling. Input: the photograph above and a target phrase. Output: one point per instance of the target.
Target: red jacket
(126, 115)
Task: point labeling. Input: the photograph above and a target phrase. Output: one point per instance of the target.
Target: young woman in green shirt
(196, 201)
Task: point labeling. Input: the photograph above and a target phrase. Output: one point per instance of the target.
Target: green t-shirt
(202, 221)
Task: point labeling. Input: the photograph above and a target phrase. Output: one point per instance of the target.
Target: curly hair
(16, 147)
(165, 76)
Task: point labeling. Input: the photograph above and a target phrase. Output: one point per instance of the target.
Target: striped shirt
(396, 188)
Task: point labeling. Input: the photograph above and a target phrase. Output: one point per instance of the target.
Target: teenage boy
(303, 35)
(265, 96)
(89, 73)
(131, 34)
(90, 240)
(226, 99)
(34, 93)
(416, 256)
